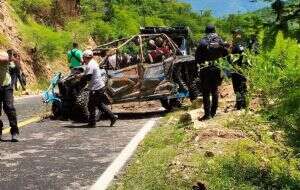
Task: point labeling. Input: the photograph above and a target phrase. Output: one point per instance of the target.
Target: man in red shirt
(158, 53)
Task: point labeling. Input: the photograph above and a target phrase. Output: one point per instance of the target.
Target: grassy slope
(233, 151)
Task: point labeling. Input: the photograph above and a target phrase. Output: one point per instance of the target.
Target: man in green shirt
(74, 57)
(7, 98)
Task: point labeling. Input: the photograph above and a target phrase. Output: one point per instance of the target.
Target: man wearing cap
(96, 79)
(6, 95)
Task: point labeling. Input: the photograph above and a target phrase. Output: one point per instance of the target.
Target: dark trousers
(97, 100)
(210, 79)
(7, 101)
(210, 107)
(15, 76)
(239, 83)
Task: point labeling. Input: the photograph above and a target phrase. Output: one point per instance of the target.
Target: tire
(99, 115)
(79, 111)
(194, 90)
(170, 104)
(56, 109)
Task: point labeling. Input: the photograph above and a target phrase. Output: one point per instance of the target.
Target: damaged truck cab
(142, 67)
(148, 66)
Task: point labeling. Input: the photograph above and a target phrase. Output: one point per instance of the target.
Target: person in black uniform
(7, 96)
(239, 62)
(210, 49)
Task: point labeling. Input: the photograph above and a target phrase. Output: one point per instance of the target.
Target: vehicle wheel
(170, 104)
(56, 109)
(99, 115)
(79, 111)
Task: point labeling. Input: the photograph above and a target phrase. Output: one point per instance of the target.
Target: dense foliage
(275, 76)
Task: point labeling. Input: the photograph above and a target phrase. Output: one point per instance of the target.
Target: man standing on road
(96, 78)
(74, 57)
(6, 95)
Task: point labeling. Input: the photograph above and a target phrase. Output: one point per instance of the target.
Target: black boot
(92, 125)
(113, 121)
(1, 128)
(14, 138)
(204, 118)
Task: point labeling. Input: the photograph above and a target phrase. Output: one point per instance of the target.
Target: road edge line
(116, 166)
(24, 123)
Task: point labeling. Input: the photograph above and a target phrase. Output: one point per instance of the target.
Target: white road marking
(107, 177)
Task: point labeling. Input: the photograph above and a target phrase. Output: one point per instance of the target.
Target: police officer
(238, 60)
(210, 74)
(6, 96)
(96, 79)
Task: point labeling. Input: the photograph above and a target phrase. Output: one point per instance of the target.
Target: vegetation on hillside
(3, 40)
(244, 153)
(275, 76)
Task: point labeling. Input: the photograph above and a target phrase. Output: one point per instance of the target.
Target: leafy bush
(48, 42)
(80, 32)
(24, 8)
(275, 74)
(3, 40)
(255, 167)
(102, 32)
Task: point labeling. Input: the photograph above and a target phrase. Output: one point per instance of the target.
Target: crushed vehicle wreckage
(140, 68)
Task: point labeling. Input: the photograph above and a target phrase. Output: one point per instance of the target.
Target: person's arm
(79, 55)
(69, 56)
(17, 61)
(87, 75)
(229, 59)
(150, 58)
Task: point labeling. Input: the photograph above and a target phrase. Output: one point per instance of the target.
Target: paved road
(63, 155)
(27, 107)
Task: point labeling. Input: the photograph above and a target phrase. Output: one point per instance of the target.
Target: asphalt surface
(63, 155)
(26, 108)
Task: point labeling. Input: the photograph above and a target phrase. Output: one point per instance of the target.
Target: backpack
(210, 48)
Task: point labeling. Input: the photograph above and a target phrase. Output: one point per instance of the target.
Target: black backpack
(210, 48)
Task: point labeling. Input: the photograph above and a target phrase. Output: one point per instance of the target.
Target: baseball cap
(88, 53)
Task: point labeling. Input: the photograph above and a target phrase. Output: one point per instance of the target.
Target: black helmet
(210, 29)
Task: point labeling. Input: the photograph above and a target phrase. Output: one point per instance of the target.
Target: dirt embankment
(13, 39)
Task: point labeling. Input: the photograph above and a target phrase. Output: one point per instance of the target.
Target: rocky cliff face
(8, 29)
(10, 23)
(69, 7)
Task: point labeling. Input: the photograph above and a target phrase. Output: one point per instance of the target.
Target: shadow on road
(122, 116)
(139, 115)
(84, 126)
(5, 140)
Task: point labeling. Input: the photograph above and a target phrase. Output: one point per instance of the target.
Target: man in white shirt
(96, 79)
